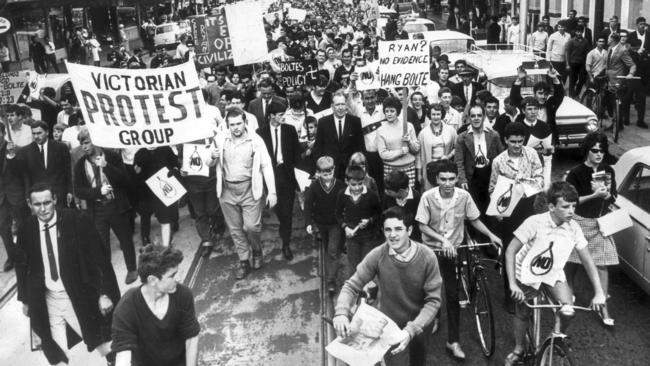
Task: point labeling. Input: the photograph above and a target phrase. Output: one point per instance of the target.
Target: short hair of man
(491, 99)
(396, 180)
(156, 260)
(530, 101)
(40, 187)
(392, 102)
(514, 129)
(443, 91)
(355, 173)
(234, 111)
(275, 108)
(399, 213)
(561, 189)
(324, 163)
(592, 139)
(40, 124)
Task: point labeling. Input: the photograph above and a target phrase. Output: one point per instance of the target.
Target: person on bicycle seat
(441, 215)
(596, 63)
(410, 286)
(536, 257)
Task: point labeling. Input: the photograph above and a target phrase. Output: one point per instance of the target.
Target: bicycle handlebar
(555, 306)
(629, 77)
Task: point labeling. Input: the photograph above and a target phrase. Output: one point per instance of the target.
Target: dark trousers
(635, 94)
(577, 78)
(5, 66)
(39, 66)
(359, 246)
(448, 273)
(376, 170)
(332, 236)
(415, 353)
(107, 217)
(9, 213)
(206, 210)
(560, 67)
(51, 60)
(283, 209)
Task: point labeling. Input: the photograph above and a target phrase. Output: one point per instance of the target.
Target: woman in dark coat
(596, 184)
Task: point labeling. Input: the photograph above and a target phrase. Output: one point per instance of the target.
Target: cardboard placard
(505, 197)
(297, 73)
(614, 222)
(167, 189)
(12, 85)
(247, 34)
(211, 39)
(368, 78)
(195, 158)
(403, 63)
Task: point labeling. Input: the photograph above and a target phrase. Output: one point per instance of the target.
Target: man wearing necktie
(619, 63)
(64, 280)
(259, 106)
(281, 140)
(44, 160)
(339, 135)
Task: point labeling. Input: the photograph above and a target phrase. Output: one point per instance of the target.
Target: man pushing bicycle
(536, 257)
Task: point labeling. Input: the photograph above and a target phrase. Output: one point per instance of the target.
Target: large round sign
(4, 25)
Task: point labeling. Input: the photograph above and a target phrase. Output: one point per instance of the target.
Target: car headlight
(592, 125)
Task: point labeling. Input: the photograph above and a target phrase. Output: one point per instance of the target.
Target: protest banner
(297, 14)
(368, 78)
(273, 16)
(370, 10)
(141, 107)
(195, 158)
(403, 63)
(167, 188)
(297, 73)
(372, 334)
(211, 39)
(12, 85)
(247, 34)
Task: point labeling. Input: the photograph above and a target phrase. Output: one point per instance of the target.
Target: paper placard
(195, 158)
(546, 257)
(167, 189)
(247, 35)
(614, 222)
(368, 78)
(211, 39)
(403, 63)
(297, 14)
(505, 197)
(298, 73)
(12, 85)
(302, 177)
(373, 333)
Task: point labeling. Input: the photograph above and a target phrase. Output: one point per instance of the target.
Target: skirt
(409, 169)
(601, 248)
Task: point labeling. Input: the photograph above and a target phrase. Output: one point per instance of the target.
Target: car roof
(418, 21)
(629, 159)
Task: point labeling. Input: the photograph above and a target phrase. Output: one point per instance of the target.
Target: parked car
(416, 26)
(168, 34)
(633, 244)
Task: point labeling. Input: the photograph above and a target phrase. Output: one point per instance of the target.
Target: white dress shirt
(277, 144)
(50, 284)
(45, 152)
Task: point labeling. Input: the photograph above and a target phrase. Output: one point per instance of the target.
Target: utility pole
(523, 21)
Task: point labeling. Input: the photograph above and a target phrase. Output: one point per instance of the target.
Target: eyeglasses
(597, 151)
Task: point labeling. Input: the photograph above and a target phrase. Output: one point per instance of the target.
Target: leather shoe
(9, 265)
(642, 124)
(331, 286)
(243, 270)
(131, 276)
(456, 351)
(257, 260)
(286, 252)
(206, 248)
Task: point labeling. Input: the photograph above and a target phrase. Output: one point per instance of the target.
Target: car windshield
(453, 45)
(418, 27)
(165, 29)
(500, 87)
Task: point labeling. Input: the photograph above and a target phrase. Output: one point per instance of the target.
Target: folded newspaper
(372, 335)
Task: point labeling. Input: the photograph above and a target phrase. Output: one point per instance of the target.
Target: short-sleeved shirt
(546, 248)
(446, 218)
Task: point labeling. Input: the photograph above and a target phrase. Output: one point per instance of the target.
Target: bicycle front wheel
(483, 316)
(554, 352)
(617, 120)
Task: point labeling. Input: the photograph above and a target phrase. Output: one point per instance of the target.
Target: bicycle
(593, 98)
(473, 289)
(619, 90)
(554, 350)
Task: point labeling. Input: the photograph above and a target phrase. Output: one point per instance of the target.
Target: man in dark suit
(475, 150)
(493, 30)
(339, 135)
(640, 43)
(258, 106)
(281, 141)
(44, 160)
(101, 179)
(588, 34)
(12, 201)
(64, 280)
(612, 28)
(453, 21)
(467, 89)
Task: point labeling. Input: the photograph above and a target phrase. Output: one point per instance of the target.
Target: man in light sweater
(410, 284)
